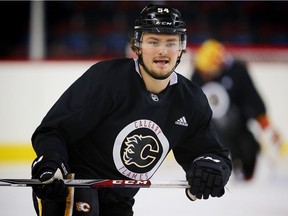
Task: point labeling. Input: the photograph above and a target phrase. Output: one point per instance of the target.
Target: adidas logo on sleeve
(182, 121)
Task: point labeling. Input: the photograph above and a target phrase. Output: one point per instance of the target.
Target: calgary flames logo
(140, 151)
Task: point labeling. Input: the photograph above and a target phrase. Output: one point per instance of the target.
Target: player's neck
(154, 85)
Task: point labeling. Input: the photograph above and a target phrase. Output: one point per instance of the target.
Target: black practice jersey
(232, 96)
(107, 125)
(233, 99)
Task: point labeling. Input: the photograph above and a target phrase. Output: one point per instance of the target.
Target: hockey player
(120, 119)
(235, 101)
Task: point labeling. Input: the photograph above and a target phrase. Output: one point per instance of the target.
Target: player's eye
(171, 45)
(154, 44)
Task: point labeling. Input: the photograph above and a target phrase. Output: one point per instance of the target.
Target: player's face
(160, 53)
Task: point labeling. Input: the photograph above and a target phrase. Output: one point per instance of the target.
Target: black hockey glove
(207, 176)
(50, 170)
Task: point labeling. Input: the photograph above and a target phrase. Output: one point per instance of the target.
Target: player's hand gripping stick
(206, 176)
(50, 171)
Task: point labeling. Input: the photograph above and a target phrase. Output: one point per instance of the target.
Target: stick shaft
(99, 183)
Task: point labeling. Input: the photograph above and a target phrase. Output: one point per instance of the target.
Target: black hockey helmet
(160, 19)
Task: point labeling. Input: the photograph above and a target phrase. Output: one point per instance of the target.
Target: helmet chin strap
(140, 60)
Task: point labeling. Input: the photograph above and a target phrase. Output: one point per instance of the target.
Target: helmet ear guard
(162, 20)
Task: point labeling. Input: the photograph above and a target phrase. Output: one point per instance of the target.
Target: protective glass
(169, 46)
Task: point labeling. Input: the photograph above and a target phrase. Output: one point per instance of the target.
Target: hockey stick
(100, 183)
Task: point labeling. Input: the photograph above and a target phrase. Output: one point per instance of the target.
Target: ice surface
(264, 195)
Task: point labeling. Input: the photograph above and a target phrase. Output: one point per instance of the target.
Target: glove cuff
(49, 162)
(216, 163)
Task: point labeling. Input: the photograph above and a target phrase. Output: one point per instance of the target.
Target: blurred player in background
(120, 119)
(235, 101)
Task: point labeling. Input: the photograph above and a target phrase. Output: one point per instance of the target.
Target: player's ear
(138, 51)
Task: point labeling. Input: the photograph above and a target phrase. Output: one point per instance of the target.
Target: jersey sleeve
(201, 139)
(81, 107)
(249, 101)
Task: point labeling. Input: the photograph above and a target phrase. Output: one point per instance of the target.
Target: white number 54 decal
(161, 10)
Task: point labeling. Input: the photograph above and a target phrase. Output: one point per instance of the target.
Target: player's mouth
(161, 62)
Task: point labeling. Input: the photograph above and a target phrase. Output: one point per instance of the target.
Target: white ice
(265, 195)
